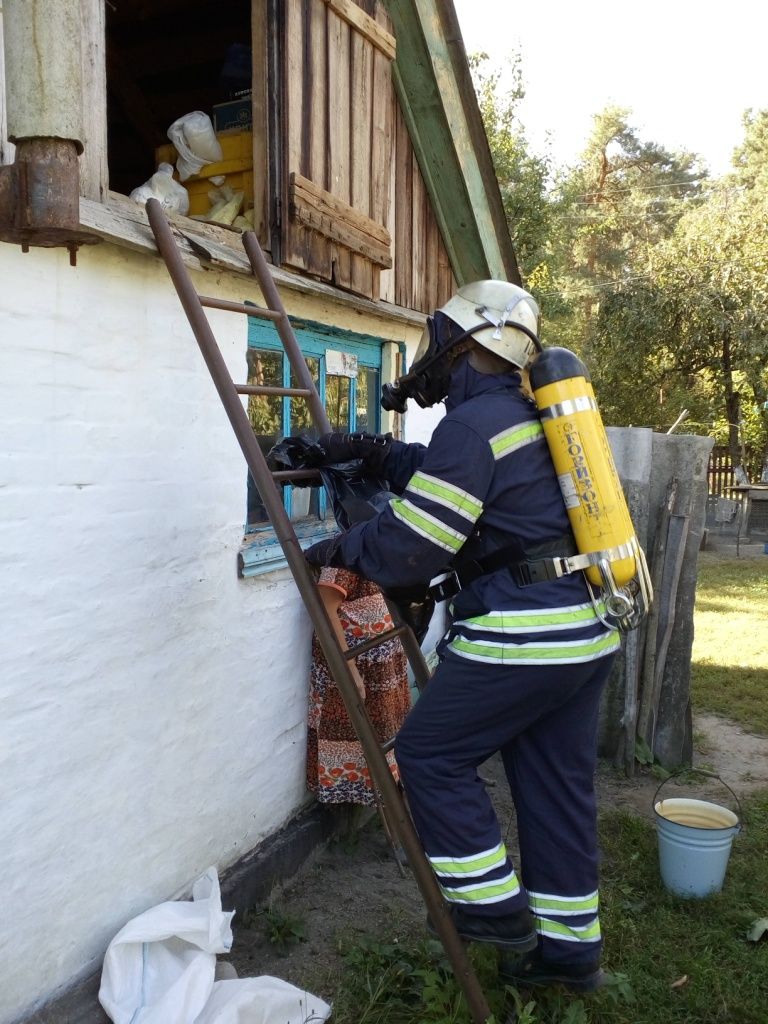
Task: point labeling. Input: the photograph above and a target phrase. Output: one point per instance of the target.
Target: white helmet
(505, 307)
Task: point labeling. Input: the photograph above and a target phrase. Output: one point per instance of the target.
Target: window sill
(261, 552)
(123, 222)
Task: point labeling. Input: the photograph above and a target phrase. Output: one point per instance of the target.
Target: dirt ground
(354, 889)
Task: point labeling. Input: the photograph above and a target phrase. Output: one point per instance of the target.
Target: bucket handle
(709, 775)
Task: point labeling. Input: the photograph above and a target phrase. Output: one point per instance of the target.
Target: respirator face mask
(429, 376)
(443, 340)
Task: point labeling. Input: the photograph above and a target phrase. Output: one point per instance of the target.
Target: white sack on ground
(262, 1000)
(159, 969)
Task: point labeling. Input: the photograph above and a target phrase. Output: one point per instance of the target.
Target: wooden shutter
(338, 141)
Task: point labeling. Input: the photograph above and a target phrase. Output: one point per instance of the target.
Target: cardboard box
(234, 116)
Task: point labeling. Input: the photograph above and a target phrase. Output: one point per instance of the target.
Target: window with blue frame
(346, 369)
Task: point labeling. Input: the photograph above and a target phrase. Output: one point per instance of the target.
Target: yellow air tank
(590, 485)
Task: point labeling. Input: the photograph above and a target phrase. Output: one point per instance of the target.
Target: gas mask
(429, 376)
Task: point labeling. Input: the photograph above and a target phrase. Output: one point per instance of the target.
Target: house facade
(155, 650)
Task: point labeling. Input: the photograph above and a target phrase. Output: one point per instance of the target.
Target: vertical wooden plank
(339, 139)
(387, 289)
(382, 141)
(403, 233)
(430, 260)
(446, 283)
(295, 237)
(260, 106)
(7, 149)
(362, 142)
(316, 125)
(418, 250)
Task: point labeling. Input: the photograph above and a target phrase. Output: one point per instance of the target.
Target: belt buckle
(446, 587)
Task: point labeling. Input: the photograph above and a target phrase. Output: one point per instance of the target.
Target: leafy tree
(623, 196)
(523, 176)
(699, 324)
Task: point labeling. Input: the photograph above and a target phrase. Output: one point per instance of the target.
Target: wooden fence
(720, 471)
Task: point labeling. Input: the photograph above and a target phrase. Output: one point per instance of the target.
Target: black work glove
(373, 449)
(326, 553)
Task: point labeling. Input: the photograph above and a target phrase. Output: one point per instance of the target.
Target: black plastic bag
(355, 497)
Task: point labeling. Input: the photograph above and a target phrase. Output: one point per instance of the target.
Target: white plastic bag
(162, 186)
(262, 1000)
(160, 969)
(195, 142)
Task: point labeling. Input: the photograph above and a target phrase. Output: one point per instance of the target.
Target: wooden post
(7, 149)
(94, 172)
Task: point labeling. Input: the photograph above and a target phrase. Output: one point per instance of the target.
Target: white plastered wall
(154, 704)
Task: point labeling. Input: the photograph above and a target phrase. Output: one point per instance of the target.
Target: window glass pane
(304, 500)
(367, 400)
(265, 414)
(301, 419)
(337, 402)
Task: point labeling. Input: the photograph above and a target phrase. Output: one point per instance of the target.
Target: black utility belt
(525, 572)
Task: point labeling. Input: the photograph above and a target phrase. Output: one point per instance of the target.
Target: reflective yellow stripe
(478, 864)
(557, 930)
(514, 438)
(534, 620)
(565, 652)
(562, 906)
(484, 892)
(461, 502)
(426, 525)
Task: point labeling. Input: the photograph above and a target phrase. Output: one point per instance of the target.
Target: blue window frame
(351, 402)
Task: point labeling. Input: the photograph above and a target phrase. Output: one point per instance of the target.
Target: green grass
(653, 940)
(671, 961)
(729, 674)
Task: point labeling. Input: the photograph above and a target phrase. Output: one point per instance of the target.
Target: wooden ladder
(395, 811)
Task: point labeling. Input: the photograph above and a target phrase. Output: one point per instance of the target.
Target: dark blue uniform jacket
(486, 480)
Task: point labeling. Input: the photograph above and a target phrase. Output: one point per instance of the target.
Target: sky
(687, 69)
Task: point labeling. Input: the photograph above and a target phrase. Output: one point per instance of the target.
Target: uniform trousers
(543, 721)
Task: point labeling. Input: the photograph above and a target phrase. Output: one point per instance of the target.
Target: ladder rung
(374, 642)
(266, 389)
(283, 475)
(239, 307)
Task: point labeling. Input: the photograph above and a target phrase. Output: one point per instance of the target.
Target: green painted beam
(436, 95)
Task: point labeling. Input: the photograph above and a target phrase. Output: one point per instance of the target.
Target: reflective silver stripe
(584, 403)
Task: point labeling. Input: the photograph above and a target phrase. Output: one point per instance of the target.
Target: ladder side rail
(377, 762)
(263, 275)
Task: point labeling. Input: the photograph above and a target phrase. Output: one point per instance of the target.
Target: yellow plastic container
(236, 166)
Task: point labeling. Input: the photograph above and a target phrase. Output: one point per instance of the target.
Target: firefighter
(522, 666)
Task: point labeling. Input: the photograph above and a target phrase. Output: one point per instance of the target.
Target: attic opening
(166, 58)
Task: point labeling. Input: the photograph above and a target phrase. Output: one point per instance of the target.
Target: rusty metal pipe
(377, 764)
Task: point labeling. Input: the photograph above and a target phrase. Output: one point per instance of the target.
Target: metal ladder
(396, 813)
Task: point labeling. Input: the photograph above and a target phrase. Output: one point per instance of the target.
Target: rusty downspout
(40, 191)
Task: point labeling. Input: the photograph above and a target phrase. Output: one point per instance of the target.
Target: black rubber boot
(532, 970)
(511, 932)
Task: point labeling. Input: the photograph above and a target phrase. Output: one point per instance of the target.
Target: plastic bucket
(695, 839)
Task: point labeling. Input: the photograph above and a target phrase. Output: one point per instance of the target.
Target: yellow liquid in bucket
(696, 813)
